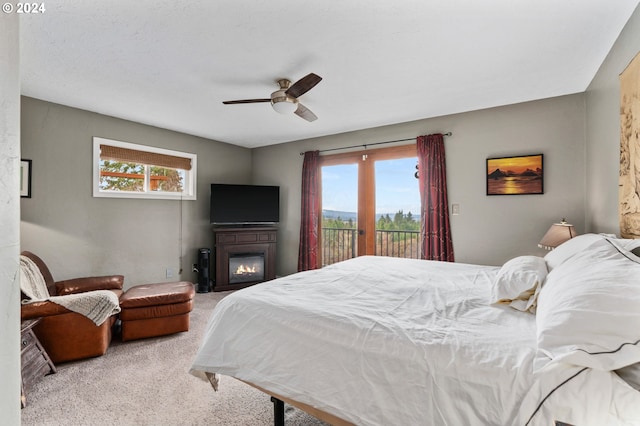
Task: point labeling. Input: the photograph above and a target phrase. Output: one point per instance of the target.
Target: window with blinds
(126, 170)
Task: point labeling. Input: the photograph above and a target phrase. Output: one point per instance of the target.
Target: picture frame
(25, 178)
(517, 175)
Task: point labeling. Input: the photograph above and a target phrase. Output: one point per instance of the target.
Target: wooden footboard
(319, 414)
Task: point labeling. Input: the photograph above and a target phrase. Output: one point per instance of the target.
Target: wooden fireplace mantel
(239, 240)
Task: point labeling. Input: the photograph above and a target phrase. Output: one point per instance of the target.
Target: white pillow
(518, 282)
(589, 310)
(569, 248)
(628, 244)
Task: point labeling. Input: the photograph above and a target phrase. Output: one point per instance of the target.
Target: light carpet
(147, 382)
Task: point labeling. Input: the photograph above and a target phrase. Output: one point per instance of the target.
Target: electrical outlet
(455, 209)
(170, 272)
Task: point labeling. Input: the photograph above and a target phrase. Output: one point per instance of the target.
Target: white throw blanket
(97, 305)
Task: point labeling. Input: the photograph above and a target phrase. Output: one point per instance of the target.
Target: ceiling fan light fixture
(285, 105)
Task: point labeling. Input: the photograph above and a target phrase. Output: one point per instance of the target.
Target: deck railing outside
(398, 244)
(339, 244)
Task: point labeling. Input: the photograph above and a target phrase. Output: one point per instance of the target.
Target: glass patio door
(370, 204)
(397, 208)
(339, 236)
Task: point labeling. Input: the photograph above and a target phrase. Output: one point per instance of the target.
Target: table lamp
(556, 235)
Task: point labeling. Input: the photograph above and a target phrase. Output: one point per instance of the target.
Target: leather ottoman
(156, 309)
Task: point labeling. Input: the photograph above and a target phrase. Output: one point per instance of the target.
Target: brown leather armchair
(64, 334)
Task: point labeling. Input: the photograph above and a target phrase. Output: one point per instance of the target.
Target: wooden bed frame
(278, 409)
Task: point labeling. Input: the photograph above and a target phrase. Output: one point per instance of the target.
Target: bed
(385, 341)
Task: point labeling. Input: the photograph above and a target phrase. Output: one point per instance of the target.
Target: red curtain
(308, 249)
(436, 231)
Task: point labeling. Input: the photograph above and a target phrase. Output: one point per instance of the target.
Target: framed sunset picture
(515, 175)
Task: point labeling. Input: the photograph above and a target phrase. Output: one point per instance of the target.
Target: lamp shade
(556, 235)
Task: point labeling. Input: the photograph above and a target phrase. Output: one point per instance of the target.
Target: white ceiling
(171, 63)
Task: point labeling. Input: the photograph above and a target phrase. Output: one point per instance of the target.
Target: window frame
(189, 192)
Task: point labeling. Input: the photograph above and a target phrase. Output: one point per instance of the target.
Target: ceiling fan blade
(305, 113)
(247, 101)
(303, 85)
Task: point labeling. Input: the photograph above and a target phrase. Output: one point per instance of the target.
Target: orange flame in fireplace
(242, 269)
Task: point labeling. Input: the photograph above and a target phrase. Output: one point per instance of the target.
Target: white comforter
(385, 341)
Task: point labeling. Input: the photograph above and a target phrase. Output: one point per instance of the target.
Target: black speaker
(203, 270)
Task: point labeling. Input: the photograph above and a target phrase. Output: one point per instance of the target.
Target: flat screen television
(244, 204)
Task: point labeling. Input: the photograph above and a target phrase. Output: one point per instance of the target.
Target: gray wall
(10, 219)
(489, 229)
(603, 131)
(78, 235)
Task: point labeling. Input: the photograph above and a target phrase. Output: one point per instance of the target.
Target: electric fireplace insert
(246, 267)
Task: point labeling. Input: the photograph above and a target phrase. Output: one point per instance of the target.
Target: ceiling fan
(285, 99)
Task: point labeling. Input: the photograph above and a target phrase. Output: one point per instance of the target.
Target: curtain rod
(372, 144)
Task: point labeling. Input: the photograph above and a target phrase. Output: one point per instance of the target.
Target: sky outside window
(340, 188)
(396, 187)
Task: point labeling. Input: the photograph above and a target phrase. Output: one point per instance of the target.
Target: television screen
(244, 204)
